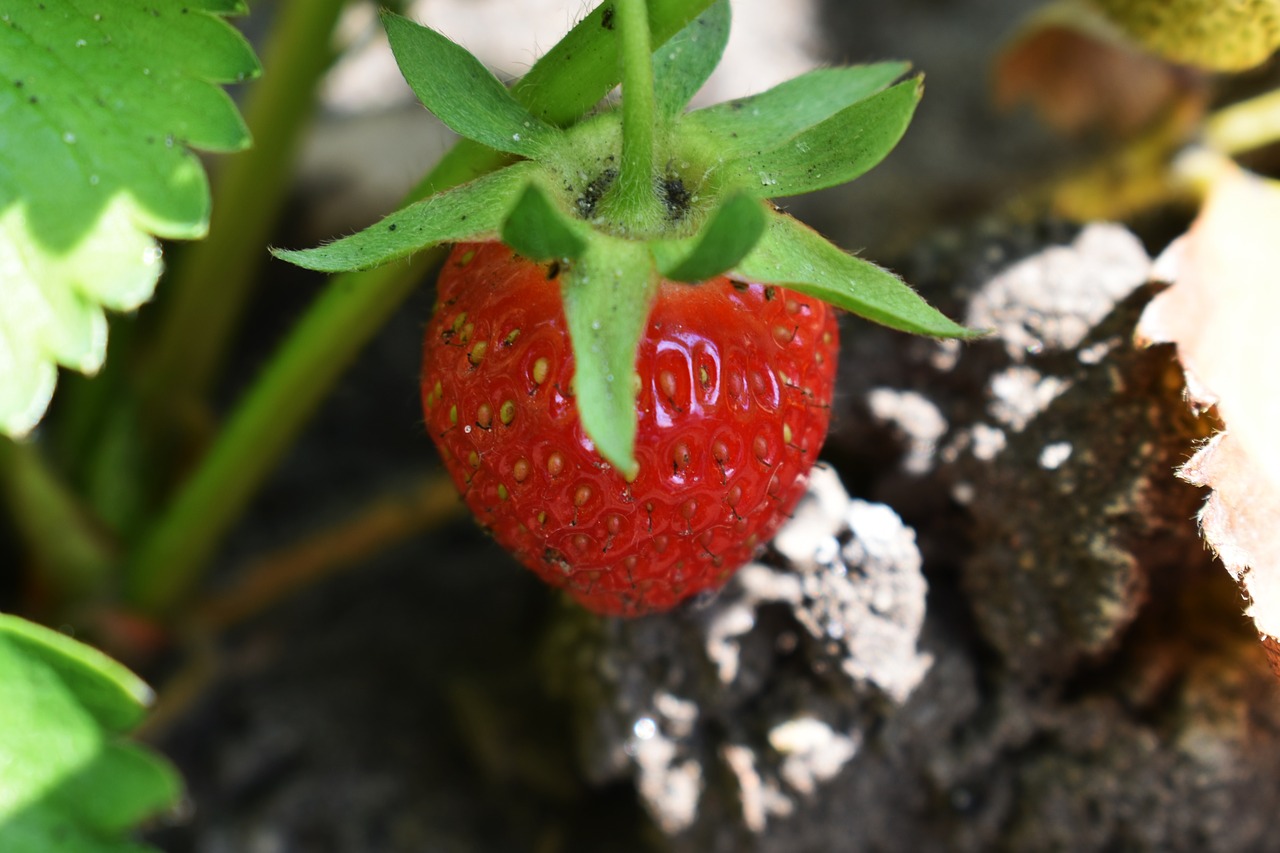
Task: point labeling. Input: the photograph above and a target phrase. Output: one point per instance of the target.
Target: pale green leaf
(1218, 36)
(832, 152)
(462, 93)
(684, 63)
(72, 783)
(748, 125)
(724, 240)
(99, 109)
(793, 255)
(607, 296)
(471, 211)
(538, 230)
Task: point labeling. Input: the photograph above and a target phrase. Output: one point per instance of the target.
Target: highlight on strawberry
(629, 370)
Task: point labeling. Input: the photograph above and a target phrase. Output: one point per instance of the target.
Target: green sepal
(747, 125)
(472, 211)
(537, 229)
(730, 234)
(569, 80)
(462, 93)
(793, 255)
(607, 296)
(831, 152)
(684, 63)
(71, 780)
(591, 49)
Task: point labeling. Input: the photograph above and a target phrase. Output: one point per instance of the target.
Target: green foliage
(71, 782)
(99, 110)
(794, 255)
(744, 125)
(731, 232)
(683, 64)
(822, 129)
(538, 230)
(607, 295)
(462, 93)
(581, 68)
(102, 110)
(832, 152)
(469, 212)
(563, 84)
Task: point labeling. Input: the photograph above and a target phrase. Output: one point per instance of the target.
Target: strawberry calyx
(625, 198)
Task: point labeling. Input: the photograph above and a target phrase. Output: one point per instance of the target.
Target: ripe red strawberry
(733, 381)
(735, 385)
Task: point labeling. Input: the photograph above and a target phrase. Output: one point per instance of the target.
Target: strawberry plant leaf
(742, 126)
(832, 152)
(727, 237)
(461, 92)
(71, 782)
(607, 295)
(538, 230)
(471, 211)
(684, 63)
(100, 109)
(793, 255)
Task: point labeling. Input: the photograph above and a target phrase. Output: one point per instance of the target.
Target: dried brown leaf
(1222, 312)
(1082, 75)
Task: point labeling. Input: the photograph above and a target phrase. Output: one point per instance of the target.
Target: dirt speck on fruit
(595, 190)
(676, 197)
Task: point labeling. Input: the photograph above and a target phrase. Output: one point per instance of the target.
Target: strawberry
(735, 389)
(630, 367)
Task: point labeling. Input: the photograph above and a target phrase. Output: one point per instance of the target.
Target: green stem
(635, 201)
(342, 319)
(561, 86)
(59, 532)
(213, 278)
(1245, 126)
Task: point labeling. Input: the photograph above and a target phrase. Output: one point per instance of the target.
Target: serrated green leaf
(538, 230)
(832, 152)
(71, 782)
(747, 125)
(684, 63)
(462, 93)
(473, 210)
(99, 110)
(607, 296)
(727, 237)
(793, 255)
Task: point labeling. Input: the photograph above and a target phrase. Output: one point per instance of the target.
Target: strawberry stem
(635, 202)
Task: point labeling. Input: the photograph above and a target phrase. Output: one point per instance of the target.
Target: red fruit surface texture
(735, 384)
